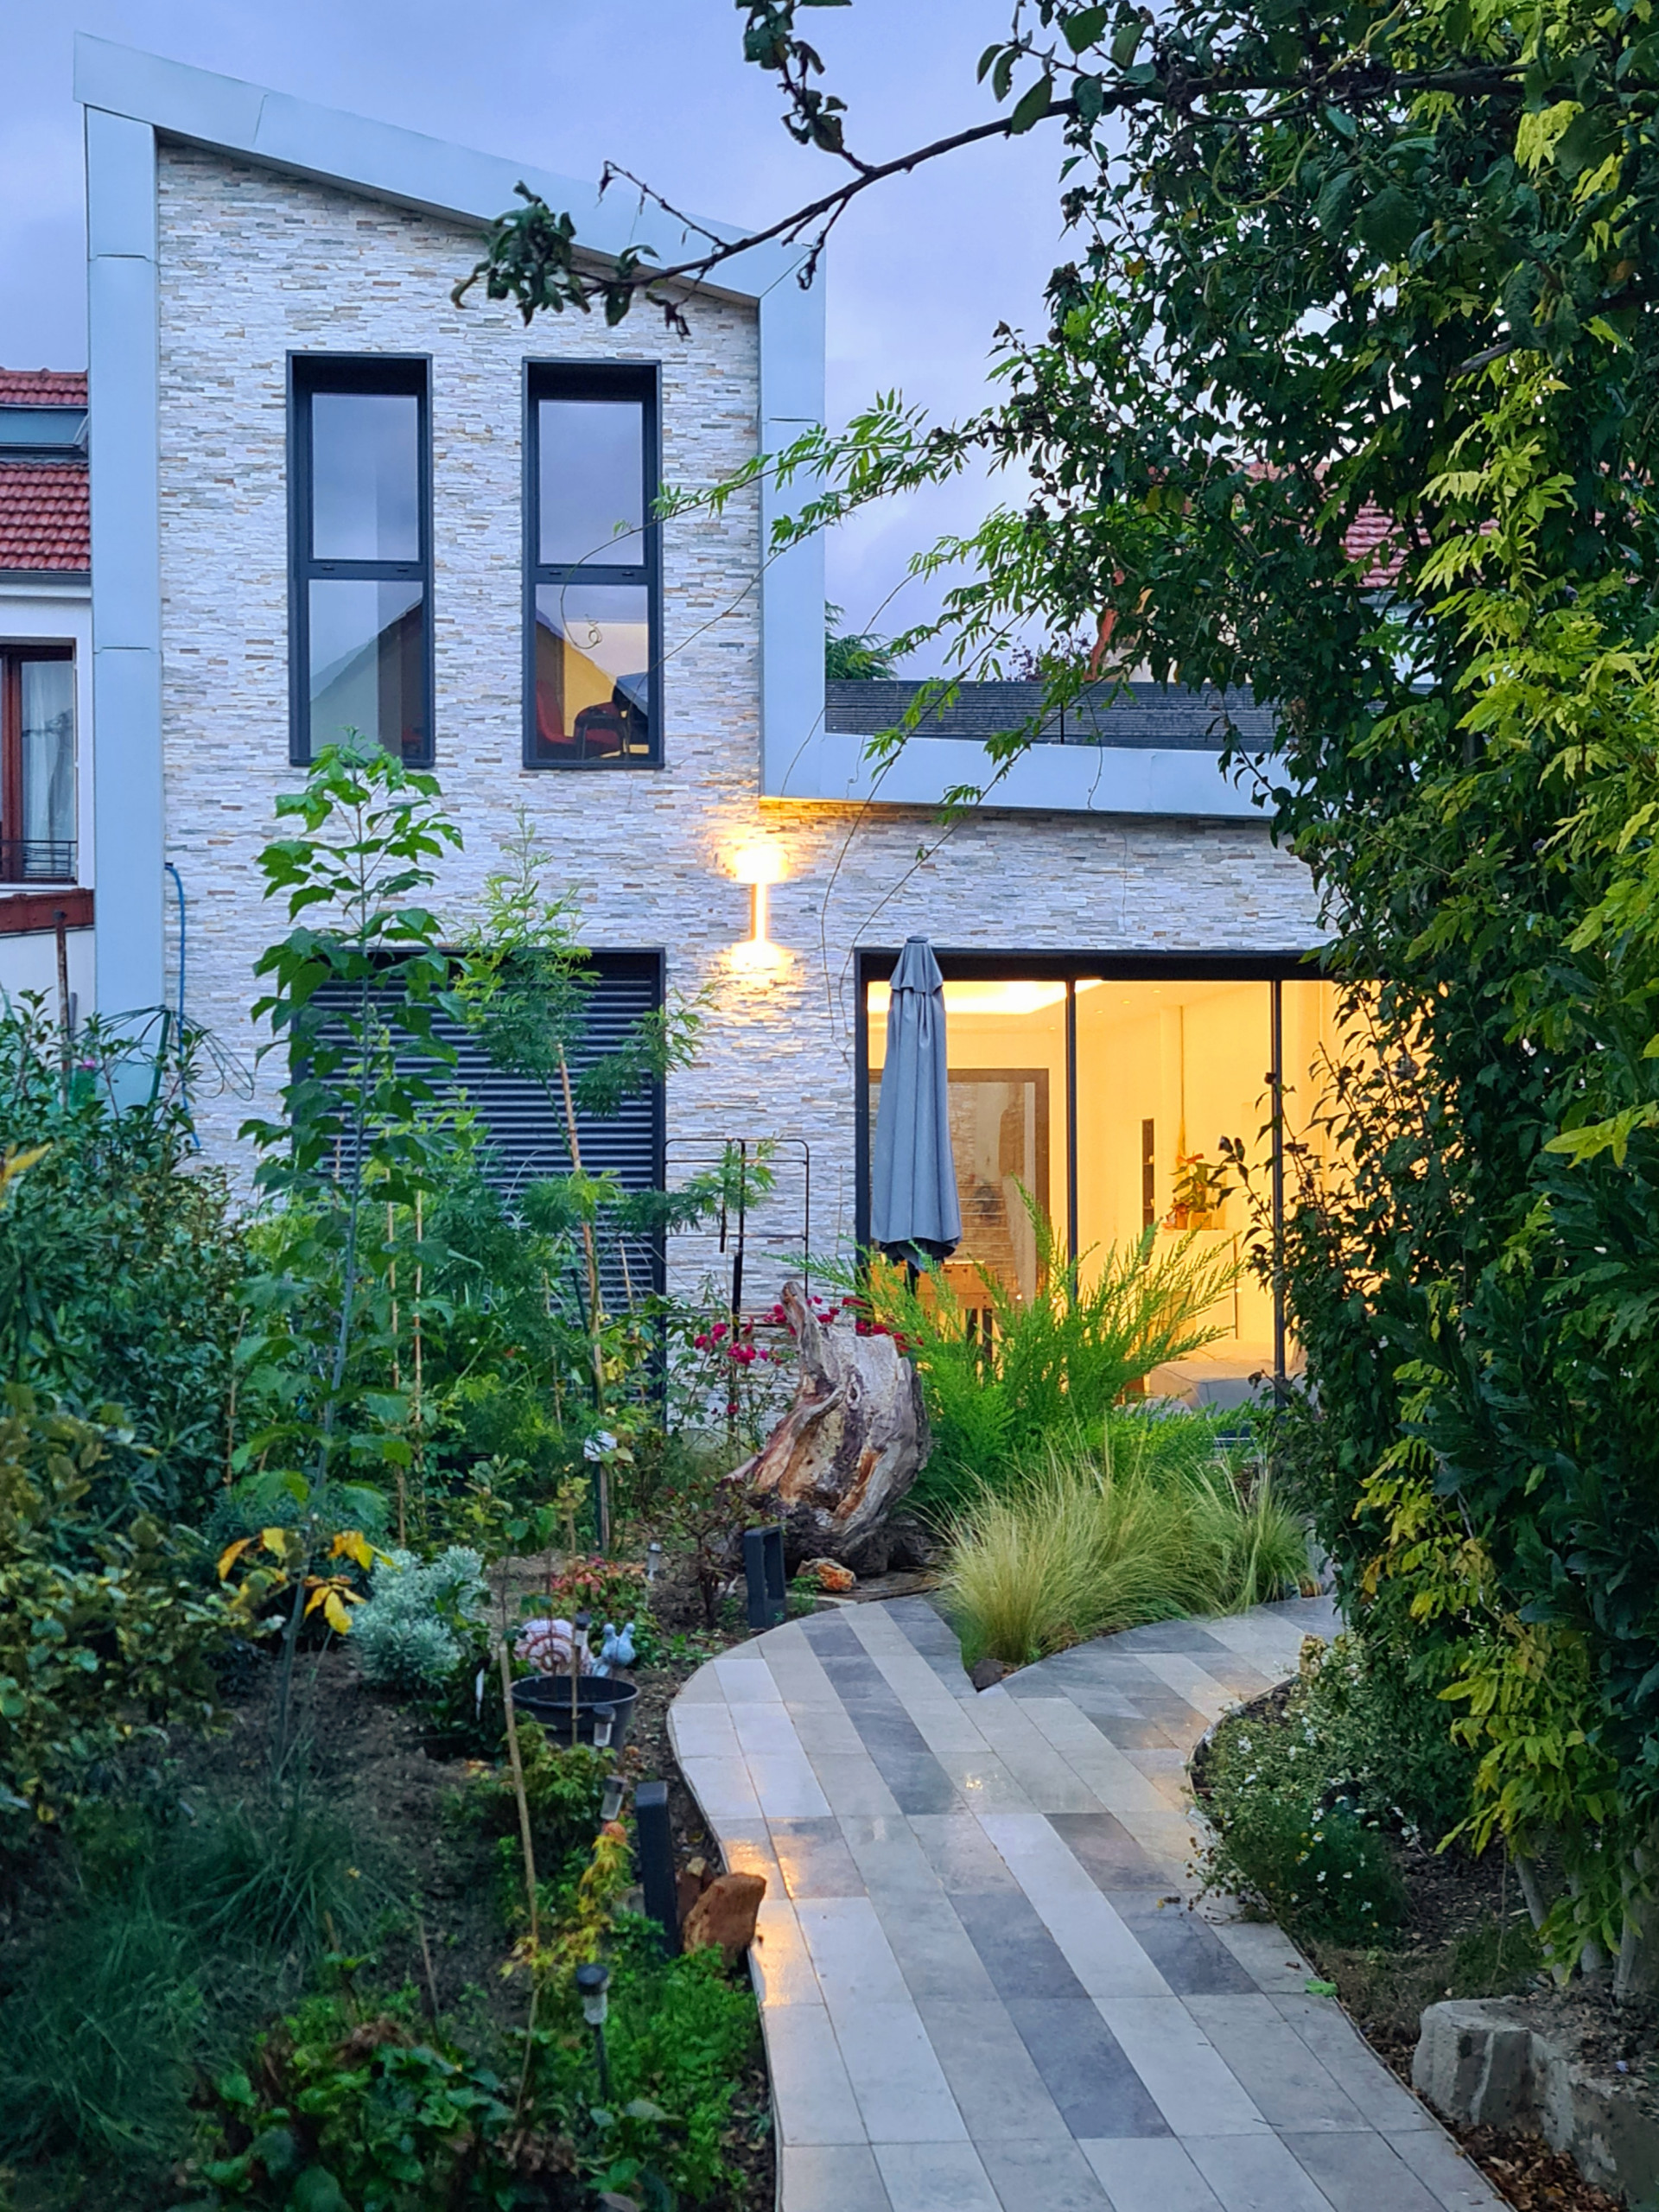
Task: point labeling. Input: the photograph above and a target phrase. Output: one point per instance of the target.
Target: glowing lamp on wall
(759, 867)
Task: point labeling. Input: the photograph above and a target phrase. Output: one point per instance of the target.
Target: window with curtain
(592, 569)
(37, 764)
(360, 589)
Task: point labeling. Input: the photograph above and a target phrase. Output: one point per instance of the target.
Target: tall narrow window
(360, 594)
(37, 764)
(592, 683)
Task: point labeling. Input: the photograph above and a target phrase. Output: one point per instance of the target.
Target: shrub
(420, 1621)
(1076, 1543)
(121, 1255)
(1051, 1367)
(1300, 1803)
(105, 1629)
(562, 1789)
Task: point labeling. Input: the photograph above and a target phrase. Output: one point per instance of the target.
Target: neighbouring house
(326, 497)
(45, 674)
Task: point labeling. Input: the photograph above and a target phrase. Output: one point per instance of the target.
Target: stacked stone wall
(254, 265)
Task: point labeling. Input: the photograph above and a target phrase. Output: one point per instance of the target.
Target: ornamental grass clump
(1155, 1523)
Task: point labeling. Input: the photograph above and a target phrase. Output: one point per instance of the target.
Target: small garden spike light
(759, 867)
(604, 1717)
(610, 1805)
(653, 1560)
(592, 1982)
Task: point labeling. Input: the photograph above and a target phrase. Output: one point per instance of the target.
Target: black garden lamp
(592, 1983)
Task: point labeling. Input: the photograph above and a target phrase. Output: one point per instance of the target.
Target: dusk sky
(921, 272)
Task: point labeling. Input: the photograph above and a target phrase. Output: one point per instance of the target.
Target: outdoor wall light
(759, 867)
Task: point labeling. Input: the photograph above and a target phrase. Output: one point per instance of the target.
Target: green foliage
(173, 1937)
(854, 655)
(420, 1624)
(105, 1629)
(1075, 1543)
(1301, 1802)
(562, 1789)
(120, 1257)
(1055, 1364)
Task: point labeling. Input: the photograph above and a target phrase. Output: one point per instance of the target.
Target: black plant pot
(546, 1699)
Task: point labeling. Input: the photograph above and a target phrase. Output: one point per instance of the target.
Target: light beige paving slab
(782, 1964)
(811, 2094)
(1192, 2085)
(764, 1728)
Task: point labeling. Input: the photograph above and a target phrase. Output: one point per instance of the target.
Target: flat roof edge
(329, 146)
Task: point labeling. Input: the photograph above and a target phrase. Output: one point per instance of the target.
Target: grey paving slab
(813, 1860)
(1054, 2175)
(1275, 2066)
(1149, 2174)
(832, 2177)
(998, 2090)
(1255, 2173)
(960, 1853)
(1185, 1948)
(936, 2177)
(1107, 1852)
(1015, 1947)
(1083, 2068)
(935, 1953)
(1362, 2173)
(980, 1985)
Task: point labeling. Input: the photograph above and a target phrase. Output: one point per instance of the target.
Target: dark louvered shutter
(527, 1137)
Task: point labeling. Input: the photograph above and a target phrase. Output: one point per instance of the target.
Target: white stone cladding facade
(254, 264)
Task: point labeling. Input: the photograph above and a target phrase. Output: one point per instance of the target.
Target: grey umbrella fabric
(914, 1216)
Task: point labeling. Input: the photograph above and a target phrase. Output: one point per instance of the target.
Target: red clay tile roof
(43, 516)
(43, 387)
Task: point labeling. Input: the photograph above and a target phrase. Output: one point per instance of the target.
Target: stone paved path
(981, 1988)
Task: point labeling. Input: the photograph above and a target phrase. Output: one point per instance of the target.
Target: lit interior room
(1107, 1100)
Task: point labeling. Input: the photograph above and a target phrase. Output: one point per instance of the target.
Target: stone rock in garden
(829, 1573)
(1515, 2064)
(847, 1449)
(985, 1673)
(725, 1914)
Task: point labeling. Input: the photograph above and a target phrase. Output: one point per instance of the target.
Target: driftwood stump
(847, 1449)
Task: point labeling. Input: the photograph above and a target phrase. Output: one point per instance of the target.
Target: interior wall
(1166, 1072)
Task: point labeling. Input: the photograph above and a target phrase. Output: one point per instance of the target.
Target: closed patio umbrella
(914, 1215)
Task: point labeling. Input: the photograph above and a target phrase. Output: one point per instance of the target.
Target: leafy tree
(356, 978)
(1347, 395)
(856, 656)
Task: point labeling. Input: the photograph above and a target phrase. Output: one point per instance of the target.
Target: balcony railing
(37, 860)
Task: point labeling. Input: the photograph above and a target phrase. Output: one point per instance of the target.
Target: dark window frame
(13, 652)
(875, 965)
(308, 374)
(549, 379)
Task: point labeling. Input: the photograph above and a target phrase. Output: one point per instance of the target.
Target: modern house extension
(325, 498)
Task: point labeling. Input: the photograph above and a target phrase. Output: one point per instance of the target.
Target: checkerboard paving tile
(986, 1981)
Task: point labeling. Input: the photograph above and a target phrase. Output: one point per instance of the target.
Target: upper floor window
(360, 524)
(37, 764)
(593, 676)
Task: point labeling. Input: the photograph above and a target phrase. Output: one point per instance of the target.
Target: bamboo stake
(524, 1801)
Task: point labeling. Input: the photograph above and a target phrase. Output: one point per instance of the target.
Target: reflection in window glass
(365, 481)
(593, 694)
(1166, 1073)
(593, 482)
(48, 736)
(368, 664)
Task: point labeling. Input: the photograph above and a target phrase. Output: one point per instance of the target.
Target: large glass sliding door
(1115, 1103)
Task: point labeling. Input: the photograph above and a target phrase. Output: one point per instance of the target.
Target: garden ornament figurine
(616, 1650)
